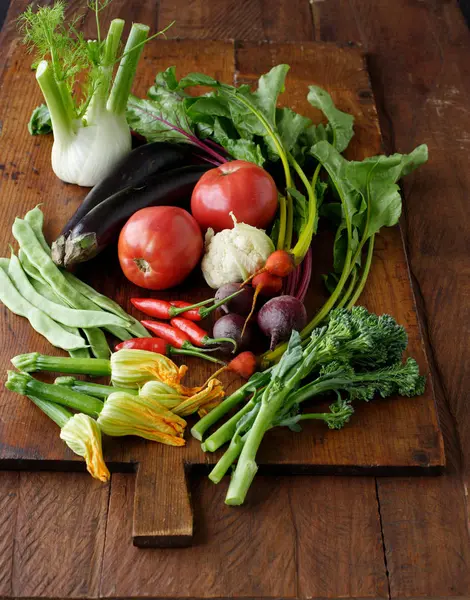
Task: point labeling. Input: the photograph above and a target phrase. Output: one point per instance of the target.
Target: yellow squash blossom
(125, 414)
(83, 436)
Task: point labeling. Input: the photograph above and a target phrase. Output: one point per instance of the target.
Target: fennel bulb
(90, 152)
(90, 129)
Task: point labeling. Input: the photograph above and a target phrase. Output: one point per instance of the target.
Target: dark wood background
(63, 536)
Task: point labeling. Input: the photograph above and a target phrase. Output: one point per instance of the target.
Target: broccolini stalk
(124, 414)
(256, 381)
(81, 434)
(351, 336)
(339, 415)
(356, 338)
(90, 133)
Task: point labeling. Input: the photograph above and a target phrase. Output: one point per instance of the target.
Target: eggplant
(102, 224)
(132, 169)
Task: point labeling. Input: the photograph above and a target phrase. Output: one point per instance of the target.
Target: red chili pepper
(161, 309)
(153, 307)
(152, 344)
(161, 347)
(170, 334)
(197, 335)
(193, 314)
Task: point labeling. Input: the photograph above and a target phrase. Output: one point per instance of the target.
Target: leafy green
(40, 121)
(339, 129)
(158, 119)
(369, 199)
(240, 149)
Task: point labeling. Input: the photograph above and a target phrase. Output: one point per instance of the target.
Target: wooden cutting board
(395, 436)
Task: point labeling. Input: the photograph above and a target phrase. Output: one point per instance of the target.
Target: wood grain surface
(416, 51)
(399, 433)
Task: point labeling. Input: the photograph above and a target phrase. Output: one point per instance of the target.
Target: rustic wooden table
(63, 536)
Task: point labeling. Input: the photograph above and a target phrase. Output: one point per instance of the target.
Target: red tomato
(240, 187)
(159, 246)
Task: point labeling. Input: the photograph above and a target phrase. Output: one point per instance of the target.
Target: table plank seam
(103, 550)
(382, 535)
(296, 546)
(15, 528)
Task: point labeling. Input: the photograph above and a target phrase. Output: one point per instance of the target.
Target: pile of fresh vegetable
(57, 304)
(146, 399)
(226, 180)
(357, 355)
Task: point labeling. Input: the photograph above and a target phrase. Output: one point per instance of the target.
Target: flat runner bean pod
(41, 260)
(35, 218)
(40, 321)
(106, 303)
(32, 272)
(46, 292)
(62, 314)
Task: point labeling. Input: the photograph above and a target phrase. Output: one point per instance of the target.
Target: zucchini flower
(83, 436)
(80, 432)
(132, 368)
(126, 414)
(202, 401)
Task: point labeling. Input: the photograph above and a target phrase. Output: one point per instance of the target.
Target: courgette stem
(57, 413)
(34, 361)
(24, 384)
(92, 389)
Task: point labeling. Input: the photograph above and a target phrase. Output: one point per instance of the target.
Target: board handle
(163, 515)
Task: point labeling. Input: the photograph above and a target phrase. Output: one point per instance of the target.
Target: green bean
(39, 258)
(98, 342)
(136, 329)
(45, 291)
(67, 316)
(80, 353)
(32, 272)
(40, 321)
(49, 271)
(35, 218)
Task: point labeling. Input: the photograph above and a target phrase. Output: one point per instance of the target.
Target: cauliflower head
(232, 255)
